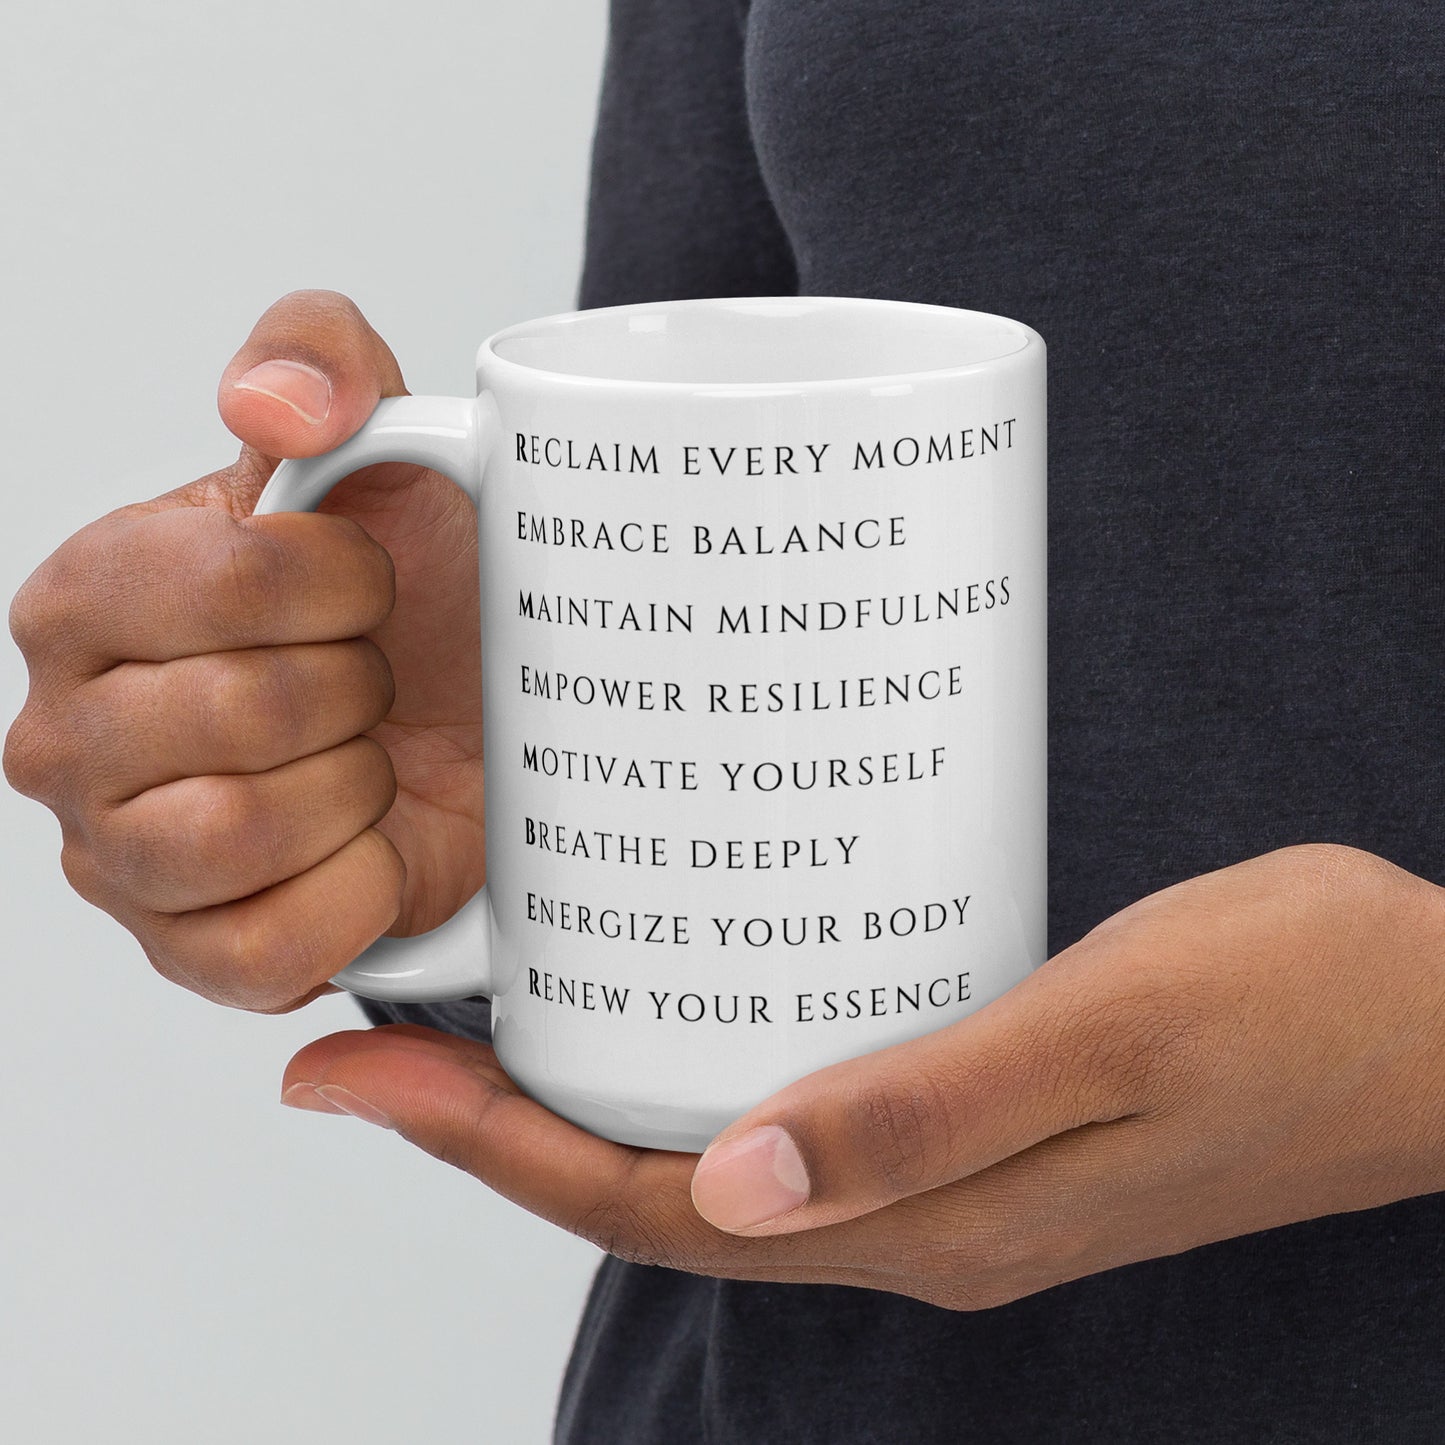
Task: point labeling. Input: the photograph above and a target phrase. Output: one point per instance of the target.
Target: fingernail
(751, 1179)
(304, 1096)
(347, 1103)
(304, 389)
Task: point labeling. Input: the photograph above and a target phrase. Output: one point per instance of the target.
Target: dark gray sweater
(1228, 222)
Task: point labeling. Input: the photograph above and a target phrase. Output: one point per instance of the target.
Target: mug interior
(751, 340)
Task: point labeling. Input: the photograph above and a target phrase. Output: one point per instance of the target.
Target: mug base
(649, 1126)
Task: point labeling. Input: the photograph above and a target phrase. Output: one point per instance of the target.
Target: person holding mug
(1185, 1176)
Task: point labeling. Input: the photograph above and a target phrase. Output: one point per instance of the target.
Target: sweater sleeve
(676, 208)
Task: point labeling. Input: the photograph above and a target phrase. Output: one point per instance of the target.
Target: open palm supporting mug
(763, 654)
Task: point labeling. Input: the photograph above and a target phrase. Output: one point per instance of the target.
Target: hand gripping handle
(451, 435)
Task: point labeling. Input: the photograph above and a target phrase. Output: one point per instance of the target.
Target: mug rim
(488, 356)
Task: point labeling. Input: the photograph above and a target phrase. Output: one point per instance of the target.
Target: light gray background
(181, 1259)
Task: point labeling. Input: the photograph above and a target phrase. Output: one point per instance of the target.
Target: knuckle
(162, 961)
(52, 758)
(1329, 871)
(33, 763)
(376, 575)
(242, 959)
(224, 821)
(247, 963)
(610, 1224)
(375, 773)
(31, 611)
(312, 565)
(967, 1295)
(452, 1152)
(82, 870)
(289, 1005)
(375, 681)
(247, 576)
(938, 1252)
(207, 827)
(316, 326)
(310, 304)
(908, 1132)
(258, 704)
(56, 605)
(371, 792)
(1328, 859)
(620, 1226)
(981, 1272)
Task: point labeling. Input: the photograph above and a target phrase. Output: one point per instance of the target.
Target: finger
(450, 1097)
(202, 841)
(311, 371)
(1074, 1043)
(245, 711)
(275, 950)
(154, 586)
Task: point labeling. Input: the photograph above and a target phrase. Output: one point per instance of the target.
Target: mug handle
(452, 436)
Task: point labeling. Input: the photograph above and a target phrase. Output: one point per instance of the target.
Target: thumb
(307, 377)
(1052, 1053)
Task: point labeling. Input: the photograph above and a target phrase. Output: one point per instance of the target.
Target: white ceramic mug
(763, 653)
